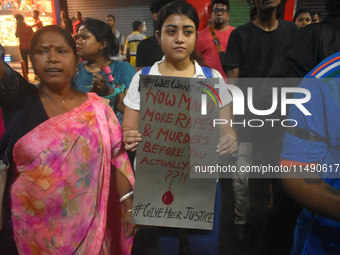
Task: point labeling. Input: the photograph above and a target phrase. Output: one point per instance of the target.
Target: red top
(38, 24)
(206, 46)
(24, 32)
(76, 25)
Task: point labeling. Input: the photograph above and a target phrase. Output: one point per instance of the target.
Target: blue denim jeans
(202, 242)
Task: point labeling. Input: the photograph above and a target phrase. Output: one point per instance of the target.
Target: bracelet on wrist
(126, 196)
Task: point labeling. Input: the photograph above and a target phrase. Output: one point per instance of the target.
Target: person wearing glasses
(206, 45)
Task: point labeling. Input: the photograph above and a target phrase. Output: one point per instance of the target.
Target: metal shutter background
(125, 12)
(313, 5)
(239, 12)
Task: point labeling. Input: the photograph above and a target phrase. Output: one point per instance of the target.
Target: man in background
(66, 22)
(216, 34)
(24, 32)
(110, 19)
(149, 51)
(132, 42)
(305, 50)
(37, 22)
(250, 53)
(316, 144)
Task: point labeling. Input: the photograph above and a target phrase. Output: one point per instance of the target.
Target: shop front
(9, 9)
(125, 12)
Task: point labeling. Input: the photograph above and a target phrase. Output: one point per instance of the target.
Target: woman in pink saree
(68, 165)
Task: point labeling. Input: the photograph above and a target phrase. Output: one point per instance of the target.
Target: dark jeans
(278, 231)
(276, 237)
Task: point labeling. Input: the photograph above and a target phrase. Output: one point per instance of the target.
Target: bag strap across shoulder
(216, 41)
(306, 135)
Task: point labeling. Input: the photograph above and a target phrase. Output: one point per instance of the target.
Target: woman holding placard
(177, 26)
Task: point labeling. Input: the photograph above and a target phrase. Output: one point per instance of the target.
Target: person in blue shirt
(313, 147)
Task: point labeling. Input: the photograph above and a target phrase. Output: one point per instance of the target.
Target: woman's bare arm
(131, 137)
(124, 187)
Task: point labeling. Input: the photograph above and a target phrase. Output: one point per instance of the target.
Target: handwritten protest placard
(174, 132)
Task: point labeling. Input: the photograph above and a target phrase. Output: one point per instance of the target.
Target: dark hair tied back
(103, 34)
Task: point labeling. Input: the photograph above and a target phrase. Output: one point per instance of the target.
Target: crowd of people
(67, 144)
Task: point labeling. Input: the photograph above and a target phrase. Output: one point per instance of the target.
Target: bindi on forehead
(51, 46)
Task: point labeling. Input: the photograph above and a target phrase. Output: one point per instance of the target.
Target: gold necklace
(98, 69)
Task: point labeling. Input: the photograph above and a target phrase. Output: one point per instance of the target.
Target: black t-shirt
(148, 52)
(307, 48)
(304, 51)
(253, 51)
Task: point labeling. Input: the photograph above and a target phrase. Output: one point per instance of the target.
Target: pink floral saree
(60, 197)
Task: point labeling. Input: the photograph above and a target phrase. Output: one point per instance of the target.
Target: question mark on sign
(168, 174)
(177, 174)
